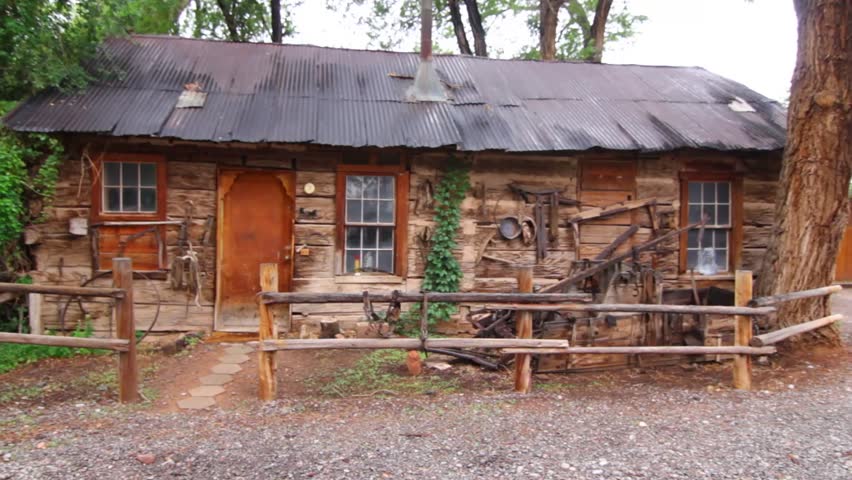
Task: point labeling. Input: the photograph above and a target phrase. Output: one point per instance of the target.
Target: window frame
(98, 214)
(401, 186)
(735, 220)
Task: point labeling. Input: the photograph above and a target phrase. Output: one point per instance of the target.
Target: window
(712, 198)
(129, 187)
(372, 219)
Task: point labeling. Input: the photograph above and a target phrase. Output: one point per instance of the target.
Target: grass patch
(376, 373)
(14, 354)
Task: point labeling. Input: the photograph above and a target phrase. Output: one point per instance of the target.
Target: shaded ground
(657, 423)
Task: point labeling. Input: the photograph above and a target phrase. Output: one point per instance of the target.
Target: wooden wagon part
(609, 210)
(619, 240)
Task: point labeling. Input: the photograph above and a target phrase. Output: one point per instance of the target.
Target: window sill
(699, 277)
(367, 278)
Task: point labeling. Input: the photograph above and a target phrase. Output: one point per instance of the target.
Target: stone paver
(196, 403)
(234, 359)
(206, 391)
(238, 350)
(227, 368)
(216, 379)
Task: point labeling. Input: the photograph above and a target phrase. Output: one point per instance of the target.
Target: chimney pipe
(427, 86)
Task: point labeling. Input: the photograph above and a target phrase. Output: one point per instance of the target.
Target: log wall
(63, 258)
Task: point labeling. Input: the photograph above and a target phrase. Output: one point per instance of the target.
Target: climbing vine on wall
(443, 271)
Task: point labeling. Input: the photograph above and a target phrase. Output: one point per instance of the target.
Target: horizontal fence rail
(662, 350)
(772, 338)
(415, 297)
(118, 345)
(406, 343)
(786, 297)
(643, 308)
(62, 290)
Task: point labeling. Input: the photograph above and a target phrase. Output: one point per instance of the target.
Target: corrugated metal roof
(306, 94)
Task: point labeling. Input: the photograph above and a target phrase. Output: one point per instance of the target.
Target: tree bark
(458, 27)
(476, 28)
(275, 11)
(597, 32)
(230, 21)
(548, 21)
(812, 204)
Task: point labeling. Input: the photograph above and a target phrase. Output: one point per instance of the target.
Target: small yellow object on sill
(305, 252)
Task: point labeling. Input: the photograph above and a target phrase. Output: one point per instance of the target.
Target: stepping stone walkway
(214, 384)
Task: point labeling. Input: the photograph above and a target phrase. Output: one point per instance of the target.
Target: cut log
(786, 297)
(638, 307)
(417, 297)
(62, 290)
(673, 350)
(772, 338)
(406, 343)
(58, 341)
(329, 328)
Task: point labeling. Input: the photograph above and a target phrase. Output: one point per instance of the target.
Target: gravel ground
(620, 431)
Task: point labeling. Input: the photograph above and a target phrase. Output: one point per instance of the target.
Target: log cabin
(202, 159)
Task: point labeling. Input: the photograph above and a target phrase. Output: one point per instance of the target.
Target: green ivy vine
(443, 271)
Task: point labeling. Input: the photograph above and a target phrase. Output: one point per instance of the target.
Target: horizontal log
(673, 350)
(786, 297)
(637, 307)
(135, 223)
(413, 297)
(407, 343)
(772, 338)
(613, 209)
(62, 290)
(58, 341)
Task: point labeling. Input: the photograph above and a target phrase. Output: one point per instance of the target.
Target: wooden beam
(59, 341)
(772, 338)
(34, 310)
(137, 223)
(742, 329)
(417, 297)
(612, 247)
(620, 258)
(524, 327)
(62, 290)
(406, 343)
(786, 297)
(128, 370)
(267, 366)
(637, 307)
(600, 212)
(657, 350)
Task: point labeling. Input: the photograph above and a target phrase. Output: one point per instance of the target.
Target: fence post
(267, 331)
(742, 330)
(523, 369)
(128, 372)
(34, 307)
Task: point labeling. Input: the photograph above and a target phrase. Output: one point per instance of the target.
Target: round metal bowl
(509, 227)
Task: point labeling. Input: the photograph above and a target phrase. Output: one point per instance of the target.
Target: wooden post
(267, 331)
(523, 369)
(128, 371)
(34, 304)
(742, 330)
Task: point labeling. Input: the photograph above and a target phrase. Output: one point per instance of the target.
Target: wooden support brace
(772, 338)
(786, 297)
(128, 370)
(523, 367)
(267, 331)
(742, 330)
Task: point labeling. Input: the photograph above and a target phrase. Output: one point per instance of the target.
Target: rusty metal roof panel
(306, 94)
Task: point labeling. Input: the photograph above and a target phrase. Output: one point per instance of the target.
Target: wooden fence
(523, 347)
(124, 344)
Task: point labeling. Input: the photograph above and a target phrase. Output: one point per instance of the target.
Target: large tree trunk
(548, 21)
(275, 10)
(476, 28)
(597, 32)
(812, 203)
(458, 27)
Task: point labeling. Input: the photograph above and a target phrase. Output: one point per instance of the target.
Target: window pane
(130, 199)
(149, 199)
(370, 238)
(369, 261)
(371, 187)
(694, 213)
(694, 192)
(723, 217)
(148, 173)
(691, 258)
(692, 239)
(386, 237)
(350, 260)
(386, 261)
(724, 192)
(353, 187)
(722, 259)
(709, 212)
(386, 188)
(371, 211)
(353, 210)
(709, 192)
(130, 174)
(353, 237)
(112, 174)
(112, 199)
(721, 240)
(386, 211)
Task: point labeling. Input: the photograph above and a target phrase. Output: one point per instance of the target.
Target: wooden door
(603, 183)
(843, 272)
(255, 225)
